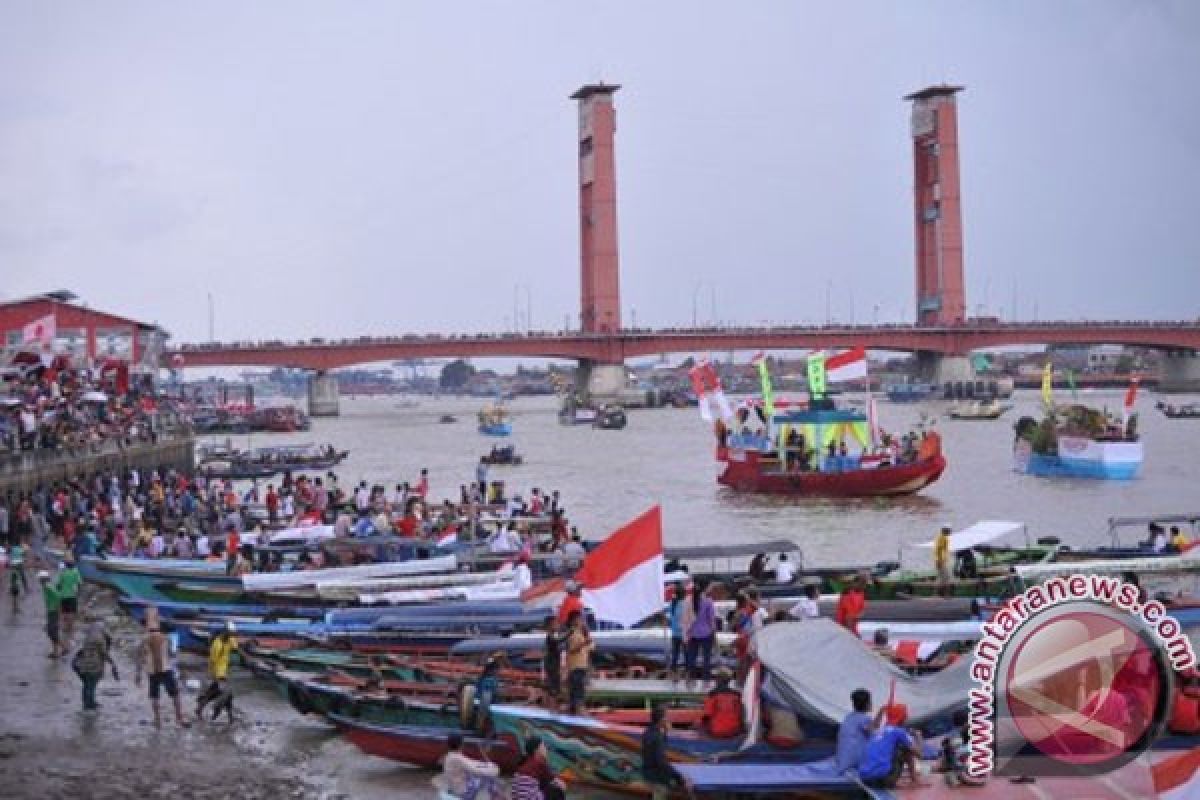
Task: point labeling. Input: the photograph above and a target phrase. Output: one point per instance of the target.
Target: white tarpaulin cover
(989, 530)
(798, 658)
(268, 581)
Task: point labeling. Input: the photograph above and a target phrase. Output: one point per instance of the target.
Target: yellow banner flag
(1048, 386)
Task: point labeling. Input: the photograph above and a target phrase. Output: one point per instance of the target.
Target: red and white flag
(40, 332)
(1177, 777)
(622, 579)
(848, 366)
(447, 539)
(707, 386)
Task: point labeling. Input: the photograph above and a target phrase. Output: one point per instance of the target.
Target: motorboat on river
(1185, 411)
(978, 410)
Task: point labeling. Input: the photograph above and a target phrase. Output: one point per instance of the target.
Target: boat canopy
(749, 549)
(797, 656)
(989, 530)
(1162, 519)
(822, 417)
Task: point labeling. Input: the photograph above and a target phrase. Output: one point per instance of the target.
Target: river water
(665, 456)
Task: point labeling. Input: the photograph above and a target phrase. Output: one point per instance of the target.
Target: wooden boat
(423, 746)
(990, 573)
(978, 410)
(503, 457)
(1185, 411)
(592, 752)
(754, 464)
(610, 418)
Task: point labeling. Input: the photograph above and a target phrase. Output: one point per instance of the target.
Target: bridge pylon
(323, 400)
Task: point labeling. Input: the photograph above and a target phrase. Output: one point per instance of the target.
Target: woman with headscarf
(88, 663)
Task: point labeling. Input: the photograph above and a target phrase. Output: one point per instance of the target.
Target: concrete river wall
(22, 472)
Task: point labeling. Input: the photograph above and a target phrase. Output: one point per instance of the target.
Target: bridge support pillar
(949, 373)
(322, 395)
(597, 384)
(1180, 371)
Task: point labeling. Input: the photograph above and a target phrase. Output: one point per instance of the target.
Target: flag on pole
(622, 579)
(40, 332)
(1130, 398)
(1176, 778)
(816, 374)
(764, 377)
(707, 385)
(873, 420)
(1048, 386)
(848, 366)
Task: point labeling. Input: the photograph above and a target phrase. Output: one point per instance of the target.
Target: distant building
(85, 335)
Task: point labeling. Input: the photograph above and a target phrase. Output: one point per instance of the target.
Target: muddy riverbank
(50, 749)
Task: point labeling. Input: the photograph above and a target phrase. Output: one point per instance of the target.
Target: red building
(84, 334)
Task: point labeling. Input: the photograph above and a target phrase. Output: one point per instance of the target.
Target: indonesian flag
(1175, 778)
(848, 366)
(41, 331)
(707, 385)
(622, 578)
(448, 539)
(1130, 398)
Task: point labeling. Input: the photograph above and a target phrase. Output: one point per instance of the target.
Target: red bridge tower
(599, 276)
(937, 206)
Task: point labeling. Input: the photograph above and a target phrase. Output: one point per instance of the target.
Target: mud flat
(50, 749)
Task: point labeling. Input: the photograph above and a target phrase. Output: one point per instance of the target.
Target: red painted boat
(423, 746)
(755, 470)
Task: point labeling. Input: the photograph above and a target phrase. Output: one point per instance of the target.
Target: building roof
(594, 88)
(934, 91)
(64, 297)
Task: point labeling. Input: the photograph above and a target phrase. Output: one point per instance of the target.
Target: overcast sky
(385, 167)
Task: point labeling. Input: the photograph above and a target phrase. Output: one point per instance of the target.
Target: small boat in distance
(909, 392)
(1185, 411)
(610, 418)
(494, 421)
(506, 456)
(979, 409)
(571, 414)
(447, 419)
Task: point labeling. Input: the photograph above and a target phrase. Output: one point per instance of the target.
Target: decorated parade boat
(1076, 441)
(817, 450)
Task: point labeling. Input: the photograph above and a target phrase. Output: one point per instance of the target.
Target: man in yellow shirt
(219, 692)
(1179, 542)
(941, 555)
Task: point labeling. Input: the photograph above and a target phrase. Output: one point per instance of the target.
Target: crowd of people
(67, 408)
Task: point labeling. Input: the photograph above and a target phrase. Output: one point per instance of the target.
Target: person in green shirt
(53, 603)
(67, 586)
